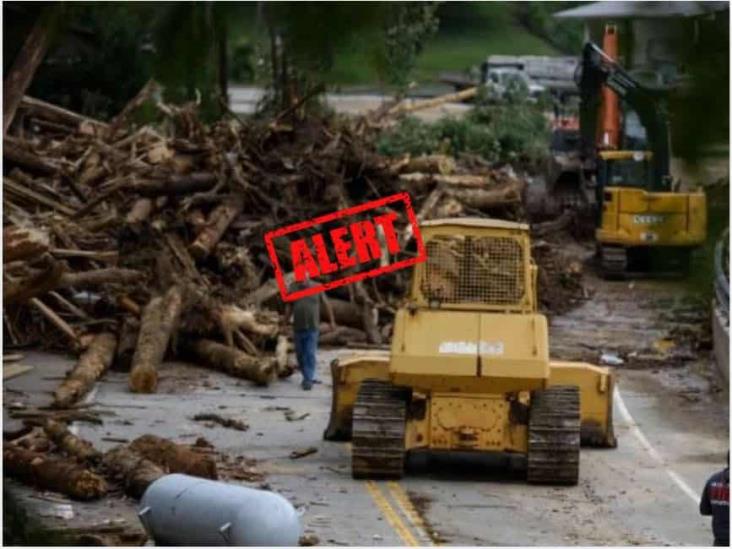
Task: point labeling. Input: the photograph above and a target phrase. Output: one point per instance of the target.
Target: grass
(468, 33)
(456, 52)
(447, 51)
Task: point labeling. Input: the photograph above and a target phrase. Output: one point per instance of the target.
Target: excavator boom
(598, 70)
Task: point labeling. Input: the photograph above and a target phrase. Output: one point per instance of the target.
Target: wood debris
(175, 458)
(166, 224)
(92, 364)
(226, 422)
(133, 470)
(70, 444)
(301, 453)
(54, 473)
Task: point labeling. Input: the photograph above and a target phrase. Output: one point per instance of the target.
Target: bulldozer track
(613, 261)
(554, 436)
(379, 420)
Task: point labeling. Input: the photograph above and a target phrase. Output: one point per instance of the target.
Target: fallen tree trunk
(15, 153)
(216, 225)
(101, 276)
(110, 256)
(47, 111)
(488, 198)
(21, 243)
(465, 180)
(52, 473)
(56, 320)
(429, 204)
(159, 321)
(177, 184)
(281, 351)
(20, 75)
(428, 164)
(231, 317)
(421, 180)
(345, 313)
(342, 335)
(267, 290)
(135, 471)
(174, 458)
(370, 323)
(70, 444)
(92, 364)
(234, 362)
(403, 108)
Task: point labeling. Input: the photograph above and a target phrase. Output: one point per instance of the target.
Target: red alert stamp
(346, 246)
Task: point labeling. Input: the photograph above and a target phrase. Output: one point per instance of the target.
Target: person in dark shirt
(715, 502)
(306, 324)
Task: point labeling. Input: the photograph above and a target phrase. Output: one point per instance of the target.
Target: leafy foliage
(100, 59)
(538, 17)
(408, 25)
(700, 111)
(512, 131)
(306, 39)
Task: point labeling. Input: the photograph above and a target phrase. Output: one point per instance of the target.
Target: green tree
(107, 51)
(305, 38)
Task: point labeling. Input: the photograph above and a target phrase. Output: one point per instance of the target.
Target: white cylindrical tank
(184, 510)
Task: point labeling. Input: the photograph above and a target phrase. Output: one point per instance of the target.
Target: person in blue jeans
(305, 324)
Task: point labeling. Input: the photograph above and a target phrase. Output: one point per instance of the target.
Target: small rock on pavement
(308, 540)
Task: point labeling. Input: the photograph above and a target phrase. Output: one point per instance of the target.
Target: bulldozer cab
(471, 321)
(475, 264)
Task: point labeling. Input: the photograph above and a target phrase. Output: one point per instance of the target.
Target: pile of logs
(125, 243)
(50, 457)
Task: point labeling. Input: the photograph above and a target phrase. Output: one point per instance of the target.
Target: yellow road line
(388, 511)
(408, 508)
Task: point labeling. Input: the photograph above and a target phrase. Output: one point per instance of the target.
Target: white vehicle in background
(500, 81)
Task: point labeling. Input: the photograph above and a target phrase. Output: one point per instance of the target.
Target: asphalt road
(671, 419)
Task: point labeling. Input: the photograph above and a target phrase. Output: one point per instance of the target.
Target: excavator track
(554, 436)
(613, 261)
(379, 421)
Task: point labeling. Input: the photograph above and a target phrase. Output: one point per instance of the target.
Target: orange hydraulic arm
(608, 129)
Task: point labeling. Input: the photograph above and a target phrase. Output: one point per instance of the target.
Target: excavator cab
(640, 229)
(624, 168)
(644, 225)
(469, 367)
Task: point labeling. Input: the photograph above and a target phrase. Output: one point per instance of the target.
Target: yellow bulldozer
(469, 366)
